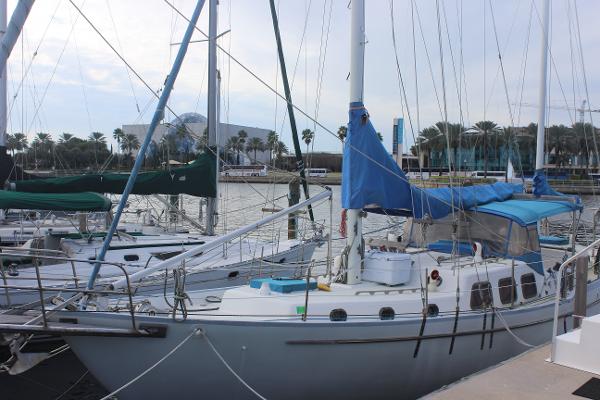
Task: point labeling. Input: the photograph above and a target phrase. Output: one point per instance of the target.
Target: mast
(290, 107)
(211, 207)
(539, 151)
(3, 115)
(357, 67)
(159, 115)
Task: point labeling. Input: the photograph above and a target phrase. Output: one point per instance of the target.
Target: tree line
(69, 152)
(563, 145)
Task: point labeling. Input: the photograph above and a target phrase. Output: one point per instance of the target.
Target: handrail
(558, 291)
(34, 250)
(138, 276)
(41, 289)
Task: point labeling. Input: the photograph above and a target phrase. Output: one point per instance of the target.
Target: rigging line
(510, 111)
(125, 386)
(585, 84)
(121, 48)
(445, 103)
(297, 63)
(321, 68)
(456, 79)
(35, 53)
(155, 93)
(524, 65)
(553, 65)
(54, 70)
(428, 57)
(358, 151)
(504, 49)
(84, 92)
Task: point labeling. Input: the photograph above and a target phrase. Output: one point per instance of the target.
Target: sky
(64, 78)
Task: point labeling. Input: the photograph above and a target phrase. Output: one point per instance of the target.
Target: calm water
(244, 204)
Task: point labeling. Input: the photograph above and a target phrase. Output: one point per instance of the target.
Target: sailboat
(137, 249)
(469, 284)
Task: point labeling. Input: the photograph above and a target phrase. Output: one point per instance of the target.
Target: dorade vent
(339, 314)
(131, 257)
(528, 286)
(507, 290)
(481, 295)
(387, 313)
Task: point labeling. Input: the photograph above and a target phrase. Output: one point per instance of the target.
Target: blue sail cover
(372, 180)
(541, 187)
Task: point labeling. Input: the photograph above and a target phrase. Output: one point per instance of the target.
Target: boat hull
(300, 360)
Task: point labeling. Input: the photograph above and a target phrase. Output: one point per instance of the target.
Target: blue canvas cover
(372, 180)
(527, 212)
(541, 187)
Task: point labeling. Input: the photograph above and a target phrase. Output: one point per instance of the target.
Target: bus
(244, 170)
(490, 174)
(316, 172)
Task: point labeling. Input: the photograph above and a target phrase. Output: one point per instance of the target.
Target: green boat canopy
(197, 179)
(84, 201)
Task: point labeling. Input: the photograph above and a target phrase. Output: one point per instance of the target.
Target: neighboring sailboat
(470, 284)
(234, 265)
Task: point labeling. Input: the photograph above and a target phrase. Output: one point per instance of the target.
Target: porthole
(131, 257)
(433, 310)
(233, 274)
(339, 314)
(507, 290)
(387, 313)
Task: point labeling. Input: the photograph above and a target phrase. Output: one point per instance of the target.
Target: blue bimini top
(527, 212)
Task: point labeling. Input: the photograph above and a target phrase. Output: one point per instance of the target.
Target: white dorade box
(387, 268)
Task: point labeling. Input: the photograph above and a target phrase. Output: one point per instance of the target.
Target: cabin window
(339, 314)
(387, 313)
(528, 286)
(507, 290)
(131, 257)
(233, 274)
(481, 295)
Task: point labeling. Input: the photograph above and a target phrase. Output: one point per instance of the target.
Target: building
(196, 124)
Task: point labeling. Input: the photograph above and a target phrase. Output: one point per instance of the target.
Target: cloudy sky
(76, 84)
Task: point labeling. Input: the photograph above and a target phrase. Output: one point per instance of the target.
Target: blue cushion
(283, 285)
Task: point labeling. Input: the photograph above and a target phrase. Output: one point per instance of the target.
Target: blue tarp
(527, 212)
(371, 179)
(541, 187)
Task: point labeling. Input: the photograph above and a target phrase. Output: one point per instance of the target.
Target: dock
(527, 376)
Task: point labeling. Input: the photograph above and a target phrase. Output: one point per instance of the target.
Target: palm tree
(255, 144)
(118, 136)
(562, 140)
(130, 143)
(42, 145)
(65, 138)
(486, 128)
(97, 139)
(281, 149)
(243, 135)
(272, 139)
(307, 136)
(11, 144)
(235, 144)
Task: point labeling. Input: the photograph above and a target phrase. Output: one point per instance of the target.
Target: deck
(528, 376)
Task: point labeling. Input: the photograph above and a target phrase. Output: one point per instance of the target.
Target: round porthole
(339, 314)
(433, 310)
(386, 313)
(233, 274)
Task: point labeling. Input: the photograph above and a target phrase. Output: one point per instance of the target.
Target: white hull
(290, 359)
